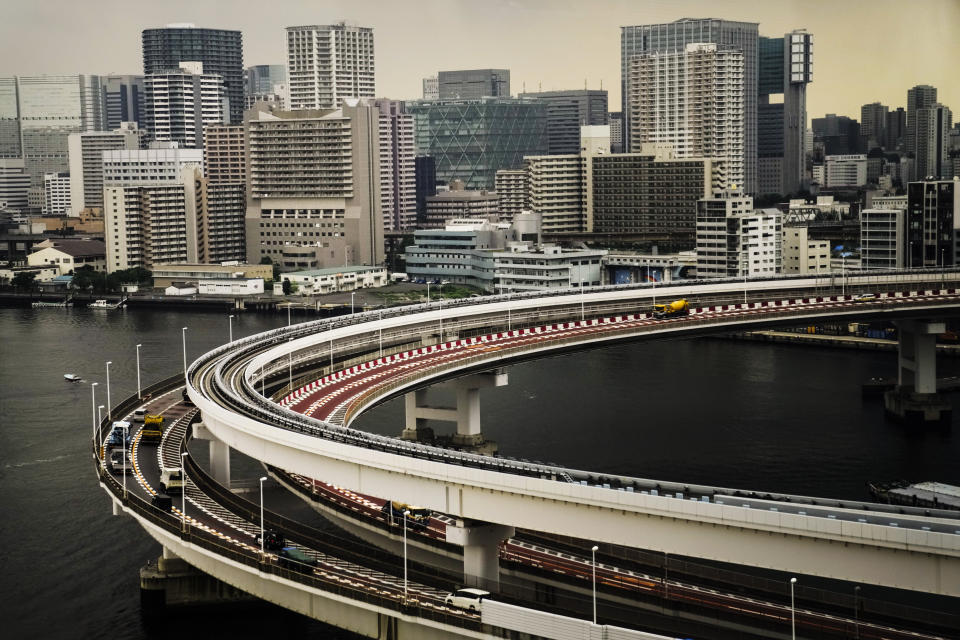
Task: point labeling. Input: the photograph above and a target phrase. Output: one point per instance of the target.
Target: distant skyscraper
(673, 37)
(932, 136)
(9, 119)
(263, 78)
(181, 102)
(919, 97)
(220, 51)
(873, 124)
(567, 111)
(86, 162)
(471, 139)
(896, 129)
(692, 100)
(398, 182)
(474, 84)
(839, 135)
(123, 100)
(616, 132)
(426, 174)
(327, 63)
(431, 88)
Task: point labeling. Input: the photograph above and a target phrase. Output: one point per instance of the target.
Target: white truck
(171, 480)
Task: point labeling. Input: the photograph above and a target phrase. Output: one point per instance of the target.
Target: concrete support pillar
(220, 462)
(481, 551)
(915, 400)
(169, 555)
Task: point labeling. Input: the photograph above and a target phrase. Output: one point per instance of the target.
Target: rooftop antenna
(540, 86)
(601, 84)
(584, 84)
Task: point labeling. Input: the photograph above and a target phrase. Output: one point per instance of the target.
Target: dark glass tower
(220, 51)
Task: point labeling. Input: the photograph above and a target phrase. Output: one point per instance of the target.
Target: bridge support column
(481, 551)
(219, 454)
(915, 400)
(466, 414)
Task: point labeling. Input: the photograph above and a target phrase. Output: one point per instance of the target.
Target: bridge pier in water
(915, 400)
(481, 551)
(466, 414)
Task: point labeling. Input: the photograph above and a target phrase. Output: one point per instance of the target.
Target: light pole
(843, 273)
(381, 334)
(290, 381)
(103, 460)
(262, 528)
(126, 431)
(406, 512)
(593, 565)
(352, 294)
(109, 416)
(910, 257)
(139, 396)
(289, 321)
(428, 292)
(183, 474)
(582, 315)
(93, 407)
(856, 611)
(793, 615)
(231, 328)
(183, 332)
(440, 302)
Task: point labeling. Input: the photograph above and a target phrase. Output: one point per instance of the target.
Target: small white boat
(104, 304)
(72, 377)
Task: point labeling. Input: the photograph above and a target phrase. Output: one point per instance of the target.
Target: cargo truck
(152, 430)
(671, 309)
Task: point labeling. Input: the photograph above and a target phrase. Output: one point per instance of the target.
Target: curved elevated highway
(334, 370)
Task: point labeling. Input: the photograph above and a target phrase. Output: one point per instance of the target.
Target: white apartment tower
(86, 162)
(693, 100)
(735, 240)
(56, 193)
(327, 63)
(181, 102)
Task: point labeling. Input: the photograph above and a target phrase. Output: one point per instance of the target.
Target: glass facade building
(471, 140)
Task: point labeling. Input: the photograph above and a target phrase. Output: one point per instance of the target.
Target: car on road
(865, 297)
(470, 599)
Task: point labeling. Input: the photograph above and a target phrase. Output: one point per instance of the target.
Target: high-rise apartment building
(14, 183)
(511, 188)
(181, 102)
(567, 111)
(919, 97)
(931, 142)
(459, 203)
(328, 63)
(692, 100)
(873, 124)
(313, 186)
(881, 238)
(555, 191)
(473, 84)
(785, 69)
(224, 154)
(736, 240)
(86, 162)
(471, 139)
(123, 100)
(896, 129)
(56, 193)
(219, 50)
(930, 229)
(398, 181)
(674, 37)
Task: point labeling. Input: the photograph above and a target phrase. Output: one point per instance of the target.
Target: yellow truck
(152, 428)
(671, 309)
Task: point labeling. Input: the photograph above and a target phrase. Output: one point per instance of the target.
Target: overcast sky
(864, 50)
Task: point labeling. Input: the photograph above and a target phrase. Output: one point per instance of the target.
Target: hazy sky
(864, 50)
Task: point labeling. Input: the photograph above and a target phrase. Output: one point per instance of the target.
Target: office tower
(511, 188)
(471, 139)
(673, 37)
(736, 240)
(567, 111)
(123, 100)
(431, 88)
(919, 97)
(264, 78)
(873, 124)
(398, 182)
(473, 84)
(616, 132)
(219, 50)
(692, 100)
(56, 193)
(881, 238)
(839, 135)
(896, 129)
(327, 63)
(931, 235)
(845, 171)
(313, 186)
(42, 112)
(932, 142)
(181, 102)
(86, 162)
(223, 152)
(785, 68)
(426, 176)
(14, 183)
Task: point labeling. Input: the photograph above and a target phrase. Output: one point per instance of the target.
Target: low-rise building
(336, 279)
(166, 274)
(69, 254)
(230, 286)
(736, 240)
(881, 238)
(524, 267)
(802, 254)
(181, 289)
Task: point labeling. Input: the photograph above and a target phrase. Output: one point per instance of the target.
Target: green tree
(23, 281)
(276, 267)
(287, 287)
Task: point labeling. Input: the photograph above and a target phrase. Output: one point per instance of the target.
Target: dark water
(737, 414)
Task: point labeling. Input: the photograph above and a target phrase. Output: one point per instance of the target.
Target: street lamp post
(593, 566)
(109, 416)
(352, 294)
(231, 328)
(793, 614)
(582, 314)
(183, 332)
(406, 512)
(289, 321)
(103, 460)
(290, 381)
(381, 333)
(262, 527)
(183, 474)
(93, 407)
(139, 395)
(126, 431)
(856, 611)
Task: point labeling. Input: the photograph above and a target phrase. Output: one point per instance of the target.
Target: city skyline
(532, 37)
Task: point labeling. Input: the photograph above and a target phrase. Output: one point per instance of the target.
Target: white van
(171, 480)
(470, 599)
(139, 415)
